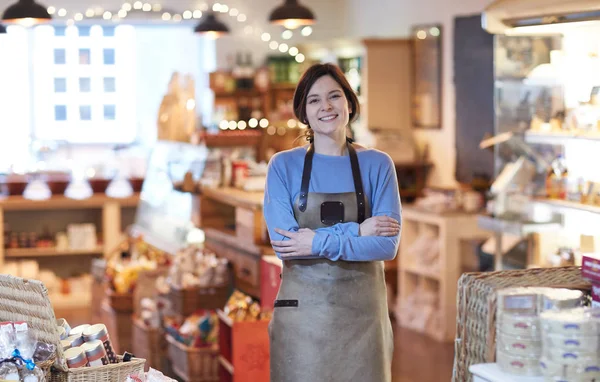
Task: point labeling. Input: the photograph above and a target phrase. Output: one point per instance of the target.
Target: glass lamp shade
(292, 15)
(27, 13)
(37, 189)
(119, 187)
(79, 189)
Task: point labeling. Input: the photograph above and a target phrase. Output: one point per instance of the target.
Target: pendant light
(26, 12)
(211, 27)
(292, 15)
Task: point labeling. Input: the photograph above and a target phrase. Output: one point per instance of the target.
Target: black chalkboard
(474, 84)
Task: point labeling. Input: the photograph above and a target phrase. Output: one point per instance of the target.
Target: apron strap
(308, 159)
(358, 187)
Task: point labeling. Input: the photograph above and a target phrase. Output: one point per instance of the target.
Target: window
(81, 74)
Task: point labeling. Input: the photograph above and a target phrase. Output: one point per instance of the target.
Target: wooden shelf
(235, 197)
(565, 205)
(559, 138)
(60, 202)
(45, 252)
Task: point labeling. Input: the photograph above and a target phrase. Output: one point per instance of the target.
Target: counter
(232, 220)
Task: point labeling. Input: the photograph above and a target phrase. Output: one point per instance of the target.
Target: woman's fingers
(282, 243)
(284, 249)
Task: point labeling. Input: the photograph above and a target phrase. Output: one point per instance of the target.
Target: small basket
(114, 372)
(186, 301)
(192, 364)
(476, 309)
(148, 343)
(120, 302)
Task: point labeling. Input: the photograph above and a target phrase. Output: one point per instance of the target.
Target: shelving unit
(432, 283)
(110, 208)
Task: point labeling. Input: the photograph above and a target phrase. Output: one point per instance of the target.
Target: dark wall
(474, 84)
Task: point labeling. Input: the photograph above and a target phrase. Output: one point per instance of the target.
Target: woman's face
(327, 108)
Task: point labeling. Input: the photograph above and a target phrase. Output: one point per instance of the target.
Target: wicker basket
(186, 301)
(114, 372)
(148, 343)
(27, 300)
(191, 364)
(476, 309)
(120, 302)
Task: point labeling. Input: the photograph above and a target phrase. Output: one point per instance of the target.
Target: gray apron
(330, 321)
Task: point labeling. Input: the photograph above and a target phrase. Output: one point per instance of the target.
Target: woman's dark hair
(310, 76)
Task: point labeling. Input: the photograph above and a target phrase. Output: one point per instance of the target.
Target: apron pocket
(286, 303)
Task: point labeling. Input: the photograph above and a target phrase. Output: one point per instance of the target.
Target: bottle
(238, 71)
(249, 71)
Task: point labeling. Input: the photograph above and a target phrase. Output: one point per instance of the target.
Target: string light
(127, 7)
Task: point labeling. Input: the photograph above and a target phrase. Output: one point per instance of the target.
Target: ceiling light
(211, 27)
(292, 15)
(26, 12)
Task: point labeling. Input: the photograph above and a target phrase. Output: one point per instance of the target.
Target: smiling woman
(333, 213)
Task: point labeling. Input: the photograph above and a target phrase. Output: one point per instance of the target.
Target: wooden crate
(192, 364)
(148, 343)
(243, 350)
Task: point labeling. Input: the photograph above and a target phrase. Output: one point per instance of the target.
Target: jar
(95, 353)
(76, 358)
(75, 340)
(78, 330)
(61, 322)
(99, 332)
(65, 344)
(62, 333)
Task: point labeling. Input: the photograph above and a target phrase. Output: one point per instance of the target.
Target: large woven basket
(476, 309)
(27, 300)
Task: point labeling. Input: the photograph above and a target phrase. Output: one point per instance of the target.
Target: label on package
(595, 295)
(590, 269)
(522, 303)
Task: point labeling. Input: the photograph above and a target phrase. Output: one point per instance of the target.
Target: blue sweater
(333, 174)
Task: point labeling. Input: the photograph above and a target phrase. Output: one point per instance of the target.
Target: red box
(590, 268)
(270, 271)
(243, 350)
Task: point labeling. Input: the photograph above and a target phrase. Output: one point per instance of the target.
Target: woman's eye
(313, 101)
(335, 96)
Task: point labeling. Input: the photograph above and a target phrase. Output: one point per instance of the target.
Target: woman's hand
(379, 226)
(299, 243)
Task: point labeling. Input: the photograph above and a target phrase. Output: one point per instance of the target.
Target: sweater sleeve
(279, 212)
(385, 201)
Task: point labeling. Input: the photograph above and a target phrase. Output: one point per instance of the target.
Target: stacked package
(519, 334)
(571, 345)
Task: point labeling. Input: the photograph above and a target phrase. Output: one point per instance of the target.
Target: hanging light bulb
(27, 13)
(292, 15)
(211, 27)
